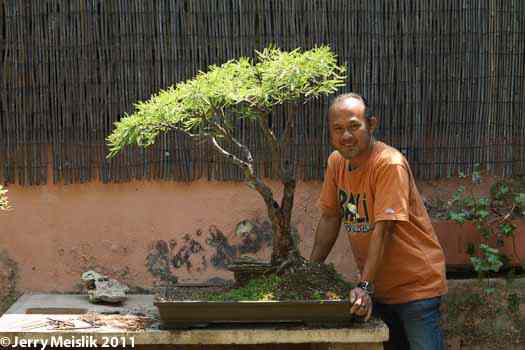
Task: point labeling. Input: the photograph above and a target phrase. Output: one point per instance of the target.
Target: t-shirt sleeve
(328, 200)
(392, 192)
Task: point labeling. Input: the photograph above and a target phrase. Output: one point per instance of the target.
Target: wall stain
(224, 251)
(183, 256)
(158, 261)
(164, 258)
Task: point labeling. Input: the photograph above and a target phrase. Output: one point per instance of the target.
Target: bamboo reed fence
(445, 77)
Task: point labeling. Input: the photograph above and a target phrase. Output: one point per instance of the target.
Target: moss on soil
(312, 281)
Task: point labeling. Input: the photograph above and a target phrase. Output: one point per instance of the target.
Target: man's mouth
(350, 148)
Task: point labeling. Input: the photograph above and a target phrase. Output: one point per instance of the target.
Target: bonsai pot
(456, 238)
(175, 314)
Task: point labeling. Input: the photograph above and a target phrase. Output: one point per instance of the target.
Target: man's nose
(347, 135)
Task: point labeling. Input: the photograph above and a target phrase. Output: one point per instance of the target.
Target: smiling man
(370, 189)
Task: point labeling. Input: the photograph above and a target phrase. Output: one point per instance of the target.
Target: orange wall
(133, 230)
(54, 233)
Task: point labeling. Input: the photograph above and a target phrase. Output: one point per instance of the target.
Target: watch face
(365, 286)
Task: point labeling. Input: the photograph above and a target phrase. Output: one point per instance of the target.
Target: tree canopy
(208, 104)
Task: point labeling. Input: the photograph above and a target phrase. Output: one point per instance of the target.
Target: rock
(89, 278)
(104, 289)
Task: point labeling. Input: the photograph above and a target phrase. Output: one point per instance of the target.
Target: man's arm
(360, 300)
(376, 248)
(325, 237)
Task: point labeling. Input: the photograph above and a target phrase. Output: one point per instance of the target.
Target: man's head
(351, 125)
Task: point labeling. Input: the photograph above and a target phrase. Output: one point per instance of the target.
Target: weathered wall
(143, 232)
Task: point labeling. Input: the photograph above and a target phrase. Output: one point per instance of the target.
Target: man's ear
(373, 124)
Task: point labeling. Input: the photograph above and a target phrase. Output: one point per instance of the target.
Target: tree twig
(232, 139)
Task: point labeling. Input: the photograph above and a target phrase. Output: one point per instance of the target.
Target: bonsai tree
(4, 203)
(208, 107)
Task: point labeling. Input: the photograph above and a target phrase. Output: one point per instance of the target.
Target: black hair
(368, 111)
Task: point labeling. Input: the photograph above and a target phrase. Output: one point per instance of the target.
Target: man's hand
(361, 303)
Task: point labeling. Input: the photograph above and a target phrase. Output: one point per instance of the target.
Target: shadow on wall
(215, 249)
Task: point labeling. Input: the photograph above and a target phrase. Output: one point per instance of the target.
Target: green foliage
(519, 199)
(507, 229)
(257, 289)
(310, 281)
(489, 260)
(237, 89)
(4, 203)
(492, 218)
(316, 295)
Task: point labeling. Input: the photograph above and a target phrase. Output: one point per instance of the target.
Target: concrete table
(28, 320)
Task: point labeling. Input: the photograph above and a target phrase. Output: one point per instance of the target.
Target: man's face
(350, 132)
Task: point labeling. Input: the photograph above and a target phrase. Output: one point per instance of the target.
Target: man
(369, 187)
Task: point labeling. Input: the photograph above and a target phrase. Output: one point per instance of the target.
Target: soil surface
(307, 281)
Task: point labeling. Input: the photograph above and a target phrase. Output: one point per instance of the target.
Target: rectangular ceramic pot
(187, 313)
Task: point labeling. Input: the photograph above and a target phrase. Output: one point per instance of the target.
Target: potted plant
(485, 231)
(209, 107)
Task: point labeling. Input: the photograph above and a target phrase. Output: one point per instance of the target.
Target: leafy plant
(488, 261)
(263, 288)
(209, 106)
(4, 203)
(492, 218)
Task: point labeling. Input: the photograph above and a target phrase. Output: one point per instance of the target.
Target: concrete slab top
(58, 317)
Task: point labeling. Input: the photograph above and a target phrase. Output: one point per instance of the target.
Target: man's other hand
(361, 303)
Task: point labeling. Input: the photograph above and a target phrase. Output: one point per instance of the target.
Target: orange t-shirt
(413, 264)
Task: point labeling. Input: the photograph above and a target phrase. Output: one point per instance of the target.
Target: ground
(485, 312)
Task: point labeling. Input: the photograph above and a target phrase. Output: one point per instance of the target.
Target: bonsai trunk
(280, 214)
(284, 247)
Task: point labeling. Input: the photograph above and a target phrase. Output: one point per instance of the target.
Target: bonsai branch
(502, 218)
(274, 143)
(196, 137)
(224, 131)
(290, 124)
(256, 183)
(236, 160)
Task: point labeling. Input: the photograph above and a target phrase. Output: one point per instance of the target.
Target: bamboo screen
(445, 77)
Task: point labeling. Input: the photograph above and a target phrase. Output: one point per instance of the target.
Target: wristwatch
(366, 286)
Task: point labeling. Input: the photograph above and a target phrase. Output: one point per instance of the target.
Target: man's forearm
(376, 248)
(325, 237)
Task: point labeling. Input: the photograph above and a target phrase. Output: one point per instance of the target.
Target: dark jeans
(413, 325)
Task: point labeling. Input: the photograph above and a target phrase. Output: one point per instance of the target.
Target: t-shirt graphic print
(354, 210)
